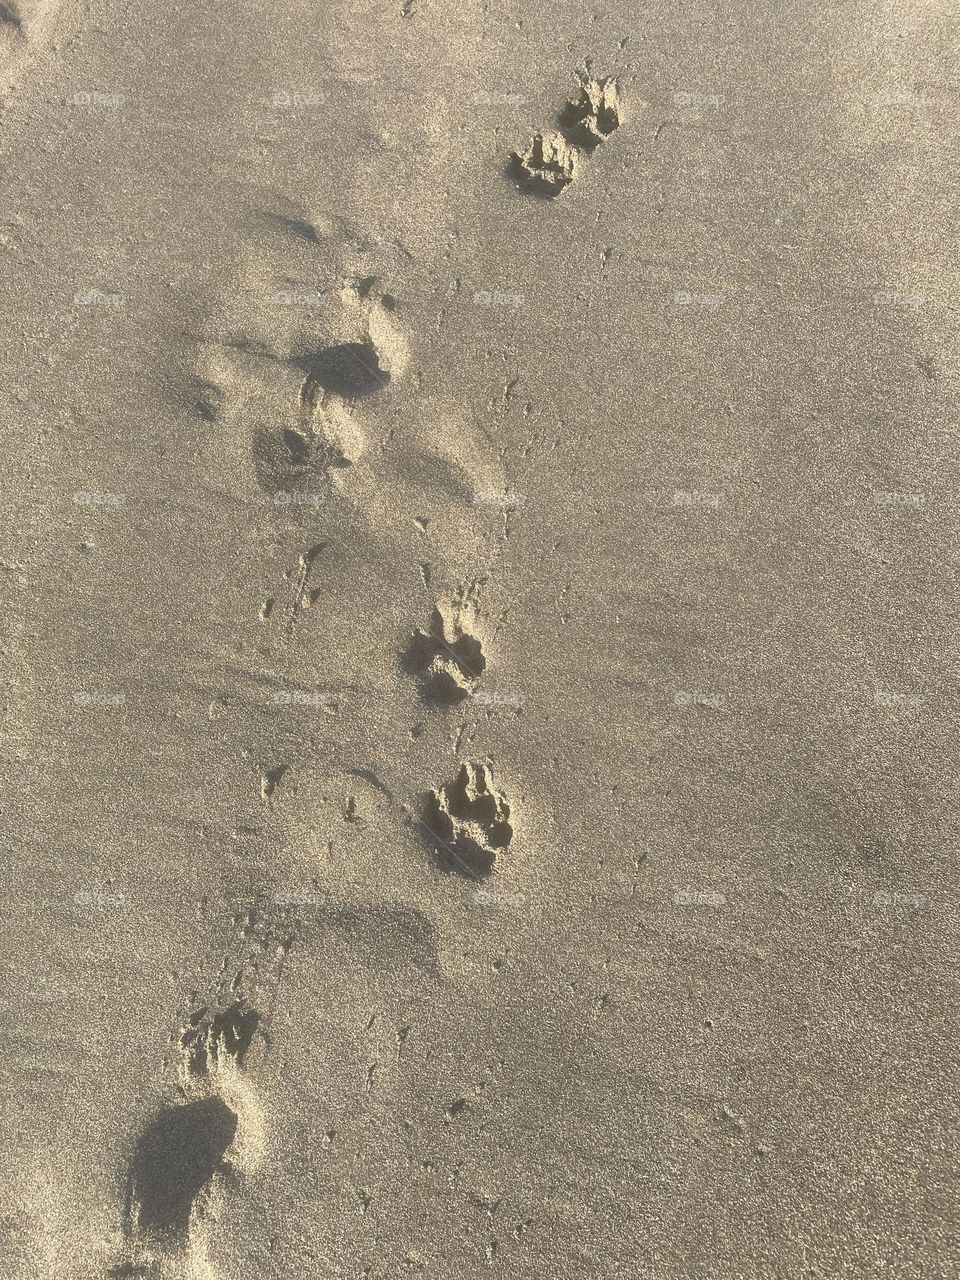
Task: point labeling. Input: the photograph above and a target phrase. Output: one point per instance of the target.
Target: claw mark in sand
(303, 596)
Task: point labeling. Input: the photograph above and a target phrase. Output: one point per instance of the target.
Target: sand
(480, 663)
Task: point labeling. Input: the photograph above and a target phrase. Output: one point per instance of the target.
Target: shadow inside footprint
(175, 1159)
(350, 369)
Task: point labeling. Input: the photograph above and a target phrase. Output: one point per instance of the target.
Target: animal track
(551, 161)
(472, 819)
(212, 1038)
(287, 459)
(547, 166)
(594, 113)
(326, 438)
(174, 1163)
(448, 656)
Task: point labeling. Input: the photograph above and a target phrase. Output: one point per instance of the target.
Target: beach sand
(480, 664)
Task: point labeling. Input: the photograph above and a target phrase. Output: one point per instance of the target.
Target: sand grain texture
(480, 591)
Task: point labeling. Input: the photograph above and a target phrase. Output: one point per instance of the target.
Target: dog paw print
(547, 166)
(471, 818)
(593, 113)
(213, 1037)
(448, 657)
(552, 160)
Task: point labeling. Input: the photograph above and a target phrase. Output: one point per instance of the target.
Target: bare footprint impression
(313, 401)
(298, 340)
(198, 1145)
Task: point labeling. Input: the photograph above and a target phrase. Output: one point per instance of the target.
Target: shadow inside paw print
(547, 167)
(447, 657)
(472, 820)
(594, 113)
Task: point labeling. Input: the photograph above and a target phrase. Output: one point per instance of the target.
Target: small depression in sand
(351, 370)
(471, 818)
(175, 1159)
